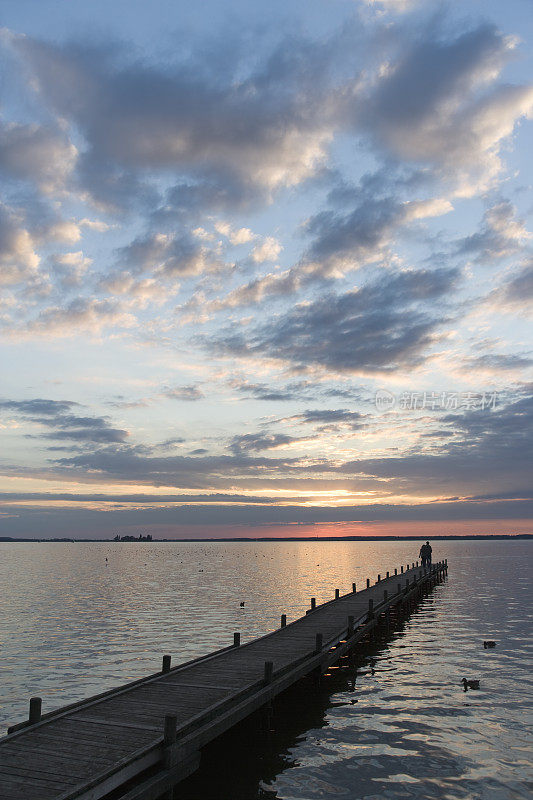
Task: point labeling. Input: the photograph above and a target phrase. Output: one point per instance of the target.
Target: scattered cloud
(268, 250)
(56, 417)
(379, 328)
(437, 104)
(18, 258)
(332, 419)
(247, 442)
(500, 235)
(183, 393)
(516, 293)
(36, 153)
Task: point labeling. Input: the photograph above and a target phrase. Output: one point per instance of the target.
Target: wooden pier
(138, 740)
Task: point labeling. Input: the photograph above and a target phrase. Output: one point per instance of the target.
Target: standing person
(425, 554)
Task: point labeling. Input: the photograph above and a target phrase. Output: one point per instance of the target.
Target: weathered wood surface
(90, 748)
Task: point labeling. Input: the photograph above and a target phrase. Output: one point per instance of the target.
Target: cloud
(516, 293)
(81, 314)
(235, 237)
(183, 117)
(70, 268)
(500, 235)
(269, 392)
(229, 137)
(183, 393)
(56, 416)
(362, 235)
(489, 453)
(39, 406)
(498, 362)
(431, 105)
(138, 291)
(261, 441)
(18, 259)
(268, 250)
(332, 419)
(348, 240)
(168, 256)
(147, 499)
(378, 328)
(279, 284)
(128, 464)
(35, 153)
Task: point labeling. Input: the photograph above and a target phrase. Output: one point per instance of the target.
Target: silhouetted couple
(425, 554)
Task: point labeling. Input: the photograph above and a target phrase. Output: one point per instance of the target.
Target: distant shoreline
(484, 537)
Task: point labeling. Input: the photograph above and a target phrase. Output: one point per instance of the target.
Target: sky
(265, 268)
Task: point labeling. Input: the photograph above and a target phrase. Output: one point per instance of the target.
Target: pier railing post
(379, 578)
(318, 643)
(166, 664)
(395, 570)
(337, 594)
(236, 640)
(269, 670)
(313, 603)
(35, 710)
(169, 731)
(368, 583)
(283, 620)
(169, 740)
(401, 569)
(353, 588)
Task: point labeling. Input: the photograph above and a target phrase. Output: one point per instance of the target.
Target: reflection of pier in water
(137, 741)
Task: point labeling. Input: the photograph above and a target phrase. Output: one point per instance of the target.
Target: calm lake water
(400, 726)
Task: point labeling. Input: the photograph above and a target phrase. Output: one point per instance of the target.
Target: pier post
(401, 569)
(35, 710)
(166, 664)
(283, 620)
(318, 643)
(269, 669)
(370, 609)
(368, 583)
(398, 588)
(169, 731)
(236, 640)
(337, 594)
(385, 596)
(169, 740)
(351, 620)
(379, 578)
(388, 574)
(353, 588)
(395, 570)
(313, 603)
